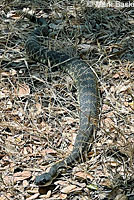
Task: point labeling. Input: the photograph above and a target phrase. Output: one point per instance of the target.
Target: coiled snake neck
(87, 95)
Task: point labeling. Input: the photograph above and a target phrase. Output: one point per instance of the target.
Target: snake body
(86, 82)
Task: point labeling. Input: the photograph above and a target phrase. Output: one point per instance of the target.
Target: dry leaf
(84, 175)
(60, 182)
(48, 151)
(9, 105)
(112, 163)
(3, 198)
(121, 197)
(68, 189)
(2, 95)
(59, 196)
(8, 180)
(116, 75)
(105, 107)
(39, 109)
(131, 104)
(106, 182)
(13, 72)
(63, 196)
(108, 122)
(25, 183)
(46, 196)
(22, 90)
(20, 176)
(71, 188)
(5, 74)
(33, 196)
(33, 191)
(123, 88)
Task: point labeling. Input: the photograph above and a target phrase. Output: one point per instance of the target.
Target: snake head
(44, 179)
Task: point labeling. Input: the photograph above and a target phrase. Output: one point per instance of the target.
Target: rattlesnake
(88, 97)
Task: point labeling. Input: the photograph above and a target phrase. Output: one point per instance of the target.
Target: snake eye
(43, 179)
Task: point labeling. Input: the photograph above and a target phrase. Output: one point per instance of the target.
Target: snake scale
(86, 83)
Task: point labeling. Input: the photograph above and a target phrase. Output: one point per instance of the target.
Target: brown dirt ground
(39, 109)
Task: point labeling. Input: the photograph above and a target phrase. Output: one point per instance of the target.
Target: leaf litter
(39, 109)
